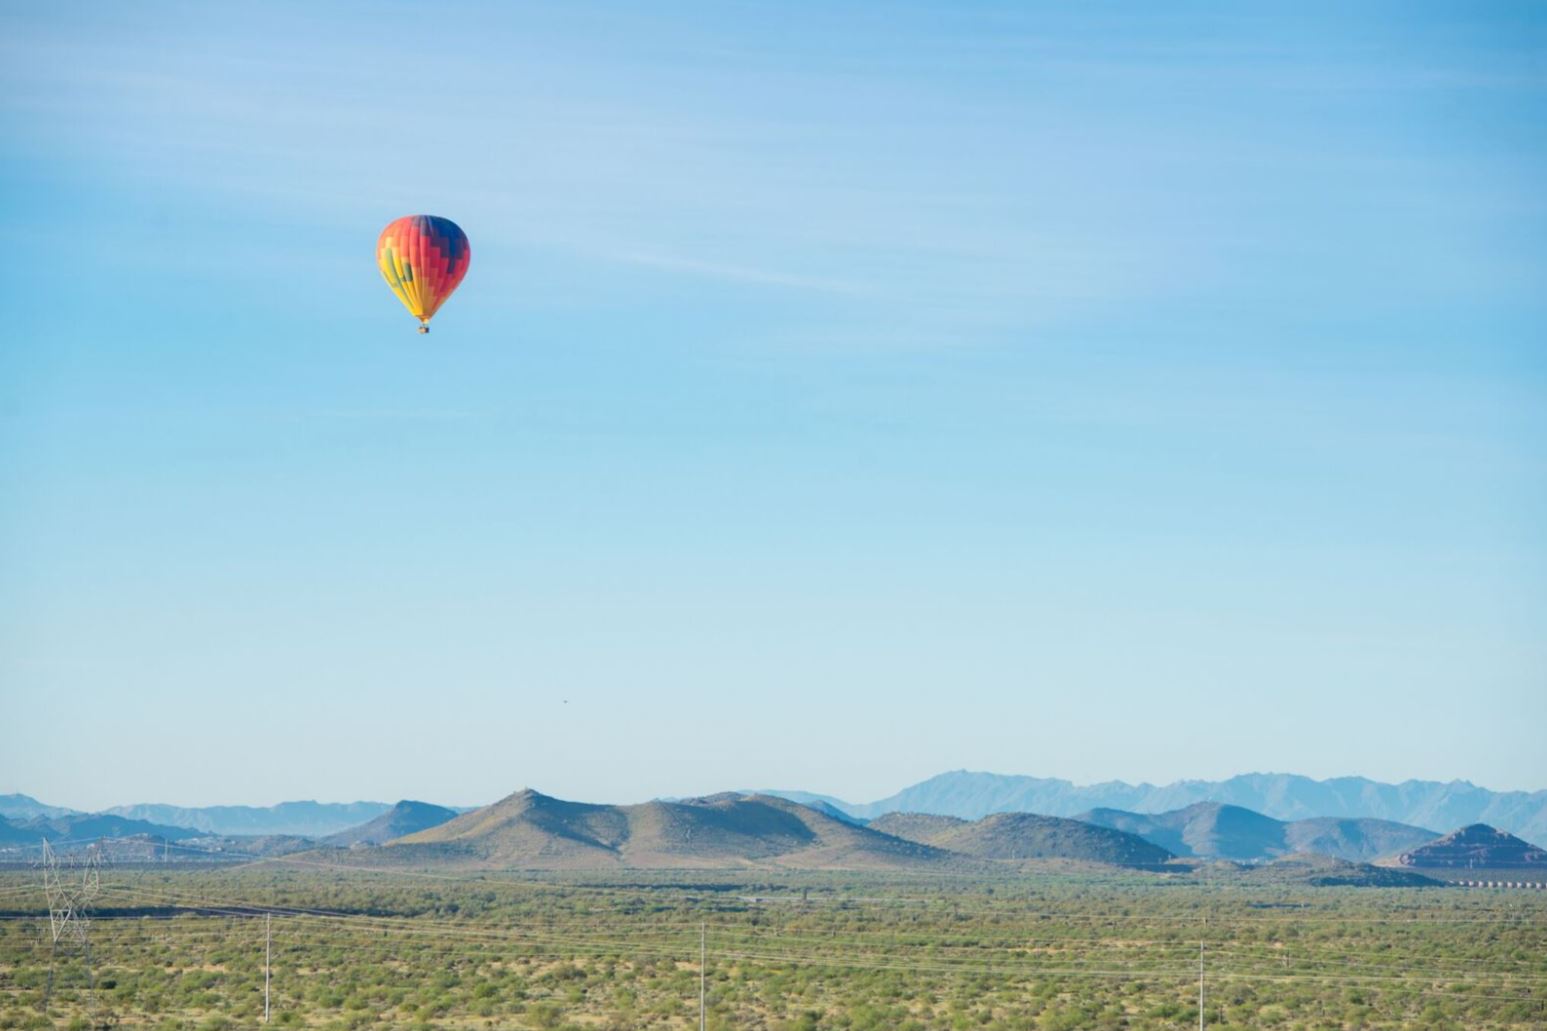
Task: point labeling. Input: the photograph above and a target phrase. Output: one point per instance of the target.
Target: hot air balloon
(423, 258)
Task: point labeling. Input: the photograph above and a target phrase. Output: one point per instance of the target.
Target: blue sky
(839, 394)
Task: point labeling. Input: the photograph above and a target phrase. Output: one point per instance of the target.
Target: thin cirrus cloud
(669, 186)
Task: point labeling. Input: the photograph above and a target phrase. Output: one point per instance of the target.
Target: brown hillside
(532, 830)
(1028, 836)
(1476, 846)
(921, 827)
(1022, 836)
(1316, 870)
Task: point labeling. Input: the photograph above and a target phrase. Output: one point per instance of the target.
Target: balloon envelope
(423, 258)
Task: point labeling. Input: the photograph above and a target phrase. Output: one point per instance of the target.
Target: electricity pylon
(70, 889)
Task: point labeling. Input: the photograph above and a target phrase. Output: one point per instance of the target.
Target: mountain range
(1282, 796)
(1253, 817)
(309, 819)
(70, 828)
(1215, 831)
(532, 830)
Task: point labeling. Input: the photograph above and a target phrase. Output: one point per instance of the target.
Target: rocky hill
(1021, 836)
(1326, 872)
(407, 817)
(1477, 846)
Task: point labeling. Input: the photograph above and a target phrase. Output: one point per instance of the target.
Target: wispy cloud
(446, 415)
(733, 273)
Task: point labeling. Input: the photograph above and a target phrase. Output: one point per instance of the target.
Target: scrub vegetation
(1062, 948)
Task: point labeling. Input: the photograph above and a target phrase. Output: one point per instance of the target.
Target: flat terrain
(1063, 947)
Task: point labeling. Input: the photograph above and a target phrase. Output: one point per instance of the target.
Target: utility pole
(268, 952)
(1200, 986)
(703, 953)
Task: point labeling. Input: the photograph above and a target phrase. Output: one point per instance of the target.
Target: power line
(1026, 959)
(753, 938)
(1005, 967)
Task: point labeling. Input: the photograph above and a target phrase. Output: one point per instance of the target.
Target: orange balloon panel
(423, 258)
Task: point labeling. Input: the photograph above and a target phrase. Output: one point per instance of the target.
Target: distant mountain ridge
(72, 828)
(1283, 796)
(1216, 831)
(25, 807)
(308, 819)
(971, 796)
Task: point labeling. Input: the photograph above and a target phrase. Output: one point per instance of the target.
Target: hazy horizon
(814, 790)
(837, 396)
